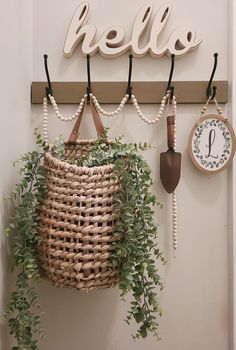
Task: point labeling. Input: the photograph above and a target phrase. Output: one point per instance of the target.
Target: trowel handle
(171, 130)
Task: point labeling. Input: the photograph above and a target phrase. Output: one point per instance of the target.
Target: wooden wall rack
(146, 92)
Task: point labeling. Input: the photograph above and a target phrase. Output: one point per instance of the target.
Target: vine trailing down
(23, 320)
(135, 247)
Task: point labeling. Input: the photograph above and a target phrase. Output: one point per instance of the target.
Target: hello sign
(111, 45)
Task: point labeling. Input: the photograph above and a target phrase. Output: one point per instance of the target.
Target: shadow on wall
(77, 320)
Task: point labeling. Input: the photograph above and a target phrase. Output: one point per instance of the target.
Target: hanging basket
(77, 226)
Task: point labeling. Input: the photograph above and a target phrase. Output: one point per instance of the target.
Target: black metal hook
(169, 87)
(211, 90)
(129, 87)
(48, 88)
(89, 88)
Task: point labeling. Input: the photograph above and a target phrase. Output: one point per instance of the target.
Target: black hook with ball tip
(169, 86)
(48, 88)
(89, 87)
(211, 90)
(129, 87)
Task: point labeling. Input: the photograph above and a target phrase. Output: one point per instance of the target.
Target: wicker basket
(77, 226)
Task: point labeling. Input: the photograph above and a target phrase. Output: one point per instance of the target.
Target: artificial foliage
(136, 251)
(22, 310)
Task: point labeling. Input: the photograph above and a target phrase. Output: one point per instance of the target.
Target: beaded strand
(45, 120)
(58, 114)
(74, 116)
(113, 113)
(159, 114)
(174, 197)
(219, 110)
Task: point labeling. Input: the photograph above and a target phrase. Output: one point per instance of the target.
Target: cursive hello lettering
(110, 45)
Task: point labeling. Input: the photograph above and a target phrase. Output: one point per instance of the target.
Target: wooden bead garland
(159, 114)
(45, 119)
(113, 113)
(174, 199)
(58, 114)
(74, 116)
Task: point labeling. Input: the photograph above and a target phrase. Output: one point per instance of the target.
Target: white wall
(51, 21)
(15, 72)
(232, 179)
(195, 299)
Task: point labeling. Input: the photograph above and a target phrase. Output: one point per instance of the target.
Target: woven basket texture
(77, 225)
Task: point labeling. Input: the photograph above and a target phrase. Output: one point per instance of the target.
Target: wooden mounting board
(146, 92)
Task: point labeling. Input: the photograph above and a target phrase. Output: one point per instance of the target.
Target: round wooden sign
(212, 143)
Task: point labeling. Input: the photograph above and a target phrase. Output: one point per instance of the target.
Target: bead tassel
(174, 198)
(45, 120)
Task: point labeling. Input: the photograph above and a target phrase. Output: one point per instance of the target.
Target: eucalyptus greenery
(135, 248)
(22, 315)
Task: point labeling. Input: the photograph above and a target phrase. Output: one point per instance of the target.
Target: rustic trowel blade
(170, 169)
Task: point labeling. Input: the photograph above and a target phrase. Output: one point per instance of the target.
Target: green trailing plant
(23, 319)
(135, 249)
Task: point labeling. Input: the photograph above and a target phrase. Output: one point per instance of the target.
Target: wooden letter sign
(212, 144)
(111, 45)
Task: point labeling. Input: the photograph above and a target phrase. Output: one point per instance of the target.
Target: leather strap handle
(97, 122)
(96, 119)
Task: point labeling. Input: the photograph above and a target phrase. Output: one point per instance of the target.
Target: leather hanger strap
(97, 119)
(97, 122)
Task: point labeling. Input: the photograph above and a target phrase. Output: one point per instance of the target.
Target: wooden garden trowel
(170, 161)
